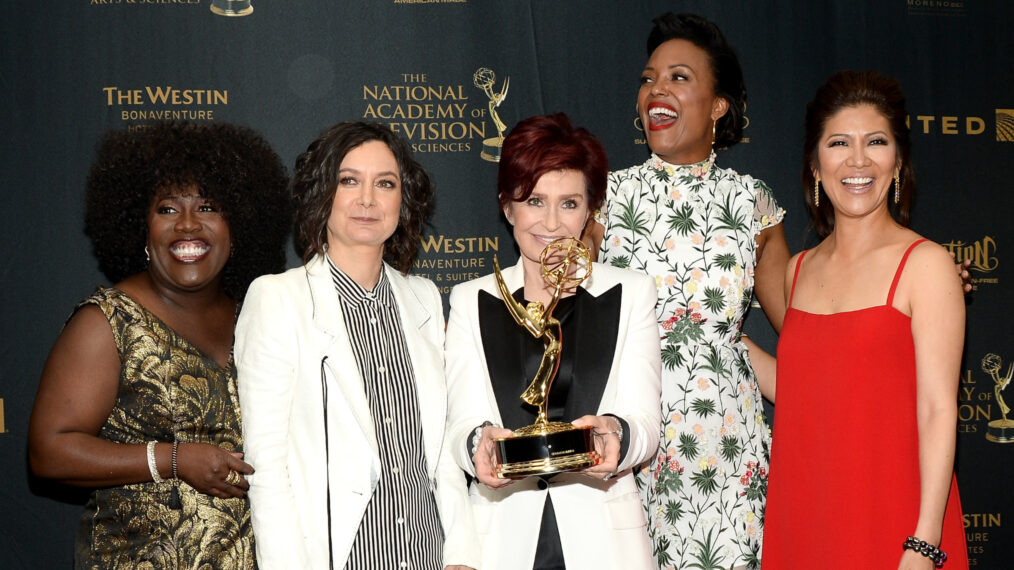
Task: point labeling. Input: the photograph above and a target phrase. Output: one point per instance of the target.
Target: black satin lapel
(502, 342)
(593, 341)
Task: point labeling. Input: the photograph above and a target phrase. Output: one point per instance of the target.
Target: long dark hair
(316, 178)
(853, 89)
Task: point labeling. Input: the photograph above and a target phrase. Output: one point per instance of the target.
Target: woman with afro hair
(138, 398)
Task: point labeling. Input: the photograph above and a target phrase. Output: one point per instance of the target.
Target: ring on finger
(233, 478)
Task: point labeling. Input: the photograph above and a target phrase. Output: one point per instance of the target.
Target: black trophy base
(552, 448)
(1000, 431)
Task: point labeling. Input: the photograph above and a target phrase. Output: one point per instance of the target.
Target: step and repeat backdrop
(450, 76)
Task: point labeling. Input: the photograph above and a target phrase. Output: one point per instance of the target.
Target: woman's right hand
(484, 457)
(206, 467)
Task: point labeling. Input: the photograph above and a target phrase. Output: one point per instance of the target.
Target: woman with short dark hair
(711, 238)
(341, 375)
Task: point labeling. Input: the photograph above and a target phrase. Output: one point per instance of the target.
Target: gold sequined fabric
(168, 390)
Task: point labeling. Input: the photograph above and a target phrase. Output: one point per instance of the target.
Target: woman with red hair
(552, 176)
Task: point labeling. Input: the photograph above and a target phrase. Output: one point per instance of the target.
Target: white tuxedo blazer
(291, 334)
(601, 523)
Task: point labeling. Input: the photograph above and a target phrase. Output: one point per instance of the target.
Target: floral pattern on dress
(693, 228)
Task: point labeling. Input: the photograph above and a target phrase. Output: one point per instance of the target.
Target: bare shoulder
(930, 258)
(929, 279)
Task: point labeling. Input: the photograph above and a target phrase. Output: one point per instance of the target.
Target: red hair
(550, 143)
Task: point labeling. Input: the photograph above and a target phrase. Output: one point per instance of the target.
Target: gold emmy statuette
(1002, 430)
(231, 7)
(484, 79)
(546, 447)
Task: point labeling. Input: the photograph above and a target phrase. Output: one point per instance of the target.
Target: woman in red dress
(862, 463)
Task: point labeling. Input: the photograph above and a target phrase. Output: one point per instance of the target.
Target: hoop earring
(897, 187)
(816, 192)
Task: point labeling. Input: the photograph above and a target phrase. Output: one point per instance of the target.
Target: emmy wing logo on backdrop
(485, 79)
(1001, 430)
(231, 7)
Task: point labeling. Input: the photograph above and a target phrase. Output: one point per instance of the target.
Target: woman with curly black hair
(138, 397)
(341, 376)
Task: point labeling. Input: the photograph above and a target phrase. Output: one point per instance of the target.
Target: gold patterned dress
(168, 390)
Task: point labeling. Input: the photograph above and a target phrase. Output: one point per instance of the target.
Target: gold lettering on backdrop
(947, 124)
(168, 95)
(983, 520)
(434, 118)
(3, 425)
(183, 103)
(982, 253)
(448, 261)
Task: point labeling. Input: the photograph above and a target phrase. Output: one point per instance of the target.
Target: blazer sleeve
(638, 393)
(468, 403)
(460, 540)
(266, 355)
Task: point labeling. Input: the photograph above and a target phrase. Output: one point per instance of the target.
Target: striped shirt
(400, 528)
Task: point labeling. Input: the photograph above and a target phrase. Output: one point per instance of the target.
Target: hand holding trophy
(547, 447)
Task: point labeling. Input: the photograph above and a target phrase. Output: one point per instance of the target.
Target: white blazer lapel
(340, 360)
(424, 339)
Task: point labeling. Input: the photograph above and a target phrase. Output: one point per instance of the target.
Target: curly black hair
(315, 180)
(231, 165)
(728, 74)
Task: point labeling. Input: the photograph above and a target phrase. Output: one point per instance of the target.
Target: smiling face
(367, 200)
(857, 159)
(677, 102)
(557, 208)
(188, 240)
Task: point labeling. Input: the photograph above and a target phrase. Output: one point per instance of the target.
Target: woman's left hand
(912, 560)
(607, 443)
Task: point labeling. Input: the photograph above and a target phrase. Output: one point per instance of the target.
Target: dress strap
(795, 275)
(901, 267)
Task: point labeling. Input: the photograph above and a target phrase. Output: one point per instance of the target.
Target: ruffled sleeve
(766, 212)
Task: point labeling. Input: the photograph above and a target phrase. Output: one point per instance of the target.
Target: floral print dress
(693, 228)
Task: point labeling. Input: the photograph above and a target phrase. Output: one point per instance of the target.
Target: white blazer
(601, 523)
(290, 333)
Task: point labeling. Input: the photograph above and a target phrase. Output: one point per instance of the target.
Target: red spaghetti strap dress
(843, 488)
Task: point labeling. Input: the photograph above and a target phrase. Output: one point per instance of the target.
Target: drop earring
(147, 256)
(816, 191)
(897, 186)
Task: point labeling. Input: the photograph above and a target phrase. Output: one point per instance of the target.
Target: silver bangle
(152, 466)
(618, 431)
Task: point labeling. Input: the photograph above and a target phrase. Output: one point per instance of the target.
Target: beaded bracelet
(152, 466)
(176, 446)
(926, 549)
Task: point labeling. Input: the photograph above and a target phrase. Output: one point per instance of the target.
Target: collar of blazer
(415, 314)
(327, 312)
